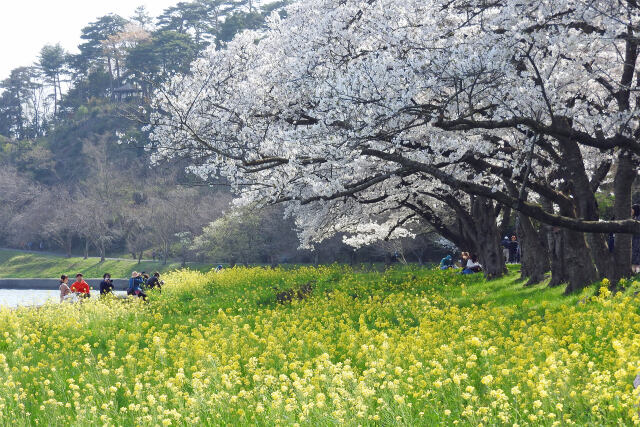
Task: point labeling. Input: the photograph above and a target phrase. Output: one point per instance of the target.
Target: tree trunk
(505, 223)
(534, 254)
(102, 252)
(117, 71)
(68, 245)
(387, 259)
(586, 206)
(139, 256)
(421, 256)
(557, 251)
(86, 248)
(581, 258)
(580, 269)
(110, 76)
(622, 185)
(487, 237)
(55, 97)
(491, 258)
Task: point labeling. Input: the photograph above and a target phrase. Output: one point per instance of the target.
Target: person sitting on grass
(80, 287)
(106, 286)
(473, 266)
(65, 290)
(446, 263)
(464, 258)
(135, 286)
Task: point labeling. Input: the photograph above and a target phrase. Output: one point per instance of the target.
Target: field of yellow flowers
(404, 347)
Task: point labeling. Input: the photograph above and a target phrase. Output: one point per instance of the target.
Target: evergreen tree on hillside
(52, 62)
(17, 104)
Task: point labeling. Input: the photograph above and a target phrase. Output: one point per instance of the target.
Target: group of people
(468, 263)
(138, 284)
(511, 249)
(79, 288)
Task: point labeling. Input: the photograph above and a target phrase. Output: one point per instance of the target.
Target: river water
(32, 297)
(19, 297)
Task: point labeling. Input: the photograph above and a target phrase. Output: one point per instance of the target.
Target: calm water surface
(26, 297)
(21, 297)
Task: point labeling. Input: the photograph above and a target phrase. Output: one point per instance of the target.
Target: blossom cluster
(352, 112)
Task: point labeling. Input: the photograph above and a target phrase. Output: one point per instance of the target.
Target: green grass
(16, 264)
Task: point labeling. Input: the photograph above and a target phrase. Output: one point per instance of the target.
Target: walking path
(57, 254)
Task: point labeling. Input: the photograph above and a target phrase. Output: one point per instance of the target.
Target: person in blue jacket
(135, 286)
(446, 263)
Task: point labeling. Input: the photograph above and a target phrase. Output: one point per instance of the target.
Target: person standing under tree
(514, 253)
(505, 248)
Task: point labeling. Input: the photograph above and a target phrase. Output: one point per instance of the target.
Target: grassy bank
(405, 347)
(16, 264)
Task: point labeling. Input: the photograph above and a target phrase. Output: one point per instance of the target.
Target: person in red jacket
(80, 286)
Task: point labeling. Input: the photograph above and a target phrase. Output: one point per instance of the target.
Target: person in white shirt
(65, 290)
(473, 266)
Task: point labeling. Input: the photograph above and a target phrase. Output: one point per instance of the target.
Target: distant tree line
(70, 184)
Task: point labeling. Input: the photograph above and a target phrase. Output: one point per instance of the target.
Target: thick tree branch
(529, 209)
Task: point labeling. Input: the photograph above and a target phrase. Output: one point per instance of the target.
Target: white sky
(27, 25)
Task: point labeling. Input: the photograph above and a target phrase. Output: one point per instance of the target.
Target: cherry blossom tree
(365, 115)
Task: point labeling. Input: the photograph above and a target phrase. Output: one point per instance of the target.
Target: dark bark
(165, 254)
(559, 129)
(486, 237)
(476, 230)
(534, 253)
(531, 210)
(579, 267)
(555, 248)
(559, 274)
(505, 223)
(68, 245)
(622, 185)
(452, 233)
(586, 206)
